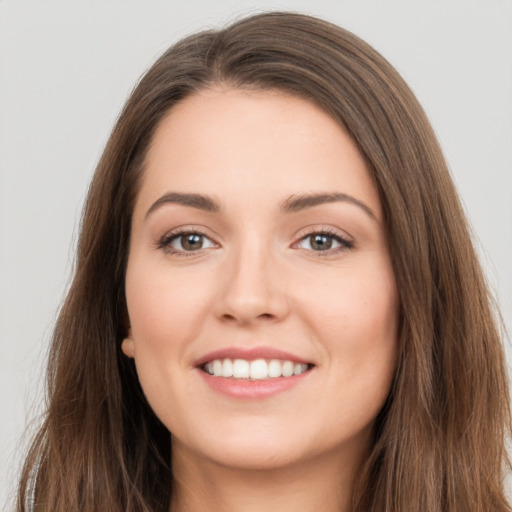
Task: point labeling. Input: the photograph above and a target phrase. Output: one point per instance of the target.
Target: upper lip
(249, 354)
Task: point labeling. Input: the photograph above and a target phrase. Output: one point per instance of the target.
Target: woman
(276, 301)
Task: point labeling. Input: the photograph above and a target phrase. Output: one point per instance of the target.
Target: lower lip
(252, 389)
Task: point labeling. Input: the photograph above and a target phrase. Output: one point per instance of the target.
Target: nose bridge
(252, 289)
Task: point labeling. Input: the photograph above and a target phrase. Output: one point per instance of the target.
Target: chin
(253, 457)
(251, 445)
(267, 445)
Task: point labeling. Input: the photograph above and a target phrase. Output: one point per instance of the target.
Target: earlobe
(128, 347)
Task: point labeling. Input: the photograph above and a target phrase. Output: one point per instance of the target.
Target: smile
(252, 373)
(258, 369)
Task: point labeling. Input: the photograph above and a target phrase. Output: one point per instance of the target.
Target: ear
(128, 345)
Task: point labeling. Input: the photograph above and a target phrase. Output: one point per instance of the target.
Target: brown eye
(185, 242)
(320, 242)
(324, 242)
(191, 241)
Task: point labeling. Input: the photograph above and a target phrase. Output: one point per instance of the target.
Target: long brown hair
(440, 439)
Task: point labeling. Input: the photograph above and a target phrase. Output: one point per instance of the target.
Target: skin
(259, 280)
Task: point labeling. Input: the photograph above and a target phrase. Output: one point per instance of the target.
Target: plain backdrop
(66, 68)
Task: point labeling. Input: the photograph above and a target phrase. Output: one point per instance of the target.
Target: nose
(253, 289)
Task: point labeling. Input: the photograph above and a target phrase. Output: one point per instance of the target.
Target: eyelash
(165, 241)
(345, 243)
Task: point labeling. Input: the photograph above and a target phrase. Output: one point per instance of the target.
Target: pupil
(192, 241)
(321, 242)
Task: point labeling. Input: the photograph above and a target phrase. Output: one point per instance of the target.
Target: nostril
(263, 316)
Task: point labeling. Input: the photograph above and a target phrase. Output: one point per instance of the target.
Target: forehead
(253, 146)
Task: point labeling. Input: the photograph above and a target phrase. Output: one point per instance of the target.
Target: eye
(323, 242)
(182, 242)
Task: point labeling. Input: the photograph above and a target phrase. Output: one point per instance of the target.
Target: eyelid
(324, 228)
(163, 243)
(346, 241)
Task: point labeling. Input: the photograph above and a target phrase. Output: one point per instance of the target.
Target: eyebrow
(300, 202)
(198, 201)
(294, 203)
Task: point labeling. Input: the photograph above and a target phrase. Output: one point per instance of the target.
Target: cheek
(166, 312)
(357, 325)
(164, 307)
(356, 309)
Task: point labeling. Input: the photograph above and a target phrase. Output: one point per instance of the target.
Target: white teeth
(240, 369)
(227, 368)
(217, 368)
(299, 368)
(288, 368)
(258, 369)
(275, 369)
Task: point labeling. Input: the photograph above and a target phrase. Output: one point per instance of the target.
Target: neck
(324, 483)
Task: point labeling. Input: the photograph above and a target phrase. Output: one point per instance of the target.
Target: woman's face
(258, 247)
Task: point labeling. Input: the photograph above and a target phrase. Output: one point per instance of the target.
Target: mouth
(254, 369)
(255, 373)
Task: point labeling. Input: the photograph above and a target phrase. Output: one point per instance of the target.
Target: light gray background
(66, 68)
